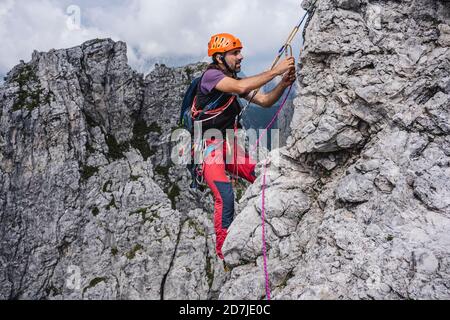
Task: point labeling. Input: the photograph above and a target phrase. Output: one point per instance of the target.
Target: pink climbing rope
(263, 186)
(273, 119)
(266, 273)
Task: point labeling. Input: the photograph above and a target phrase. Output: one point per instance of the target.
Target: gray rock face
(88, 195)
(357, 205)
(283, 121)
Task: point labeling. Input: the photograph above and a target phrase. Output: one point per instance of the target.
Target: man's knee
(227, 195)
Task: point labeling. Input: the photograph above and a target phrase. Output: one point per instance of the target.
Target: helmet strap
(228, 67)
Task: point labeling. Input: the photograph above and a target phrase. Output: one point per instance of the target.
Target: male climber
(219, 83)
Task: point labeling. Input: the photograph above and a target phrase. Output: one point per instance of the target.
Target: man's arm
(243, 86)
(268, 99)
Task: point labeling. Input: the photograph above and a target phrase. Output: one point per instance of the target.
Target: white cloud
(154, 28)
(40, 25)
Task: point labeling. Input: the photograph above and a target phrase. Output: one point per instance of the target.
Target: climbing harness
(189, 117)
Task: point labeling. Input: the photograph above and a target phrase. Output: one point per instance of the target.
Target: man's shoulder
(213, 73)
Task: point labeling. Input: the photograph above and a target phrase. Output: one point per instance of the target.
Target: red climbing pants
(214, 167)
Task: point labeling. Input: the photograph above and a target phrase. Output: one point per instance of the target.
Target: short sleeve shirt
(210, 79)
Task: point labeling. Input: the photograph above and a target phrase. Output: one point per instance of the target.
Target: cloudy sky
(177, 30)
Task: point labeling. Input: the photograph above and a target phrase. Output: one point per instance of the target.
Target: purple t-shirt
(210, 79)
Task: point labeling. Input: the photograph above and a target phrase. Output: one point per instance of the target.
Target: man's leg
(242, 165)
(215, 177)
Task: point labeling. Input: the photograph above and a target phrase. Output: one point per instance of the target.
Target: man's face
(234, 59)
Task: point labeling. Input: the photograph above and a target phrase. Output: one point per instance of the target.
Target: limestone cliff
(89, 197)
(357, 203)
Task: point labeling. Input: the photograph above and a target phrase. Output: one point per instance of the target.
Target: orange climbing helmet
(223, 42)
